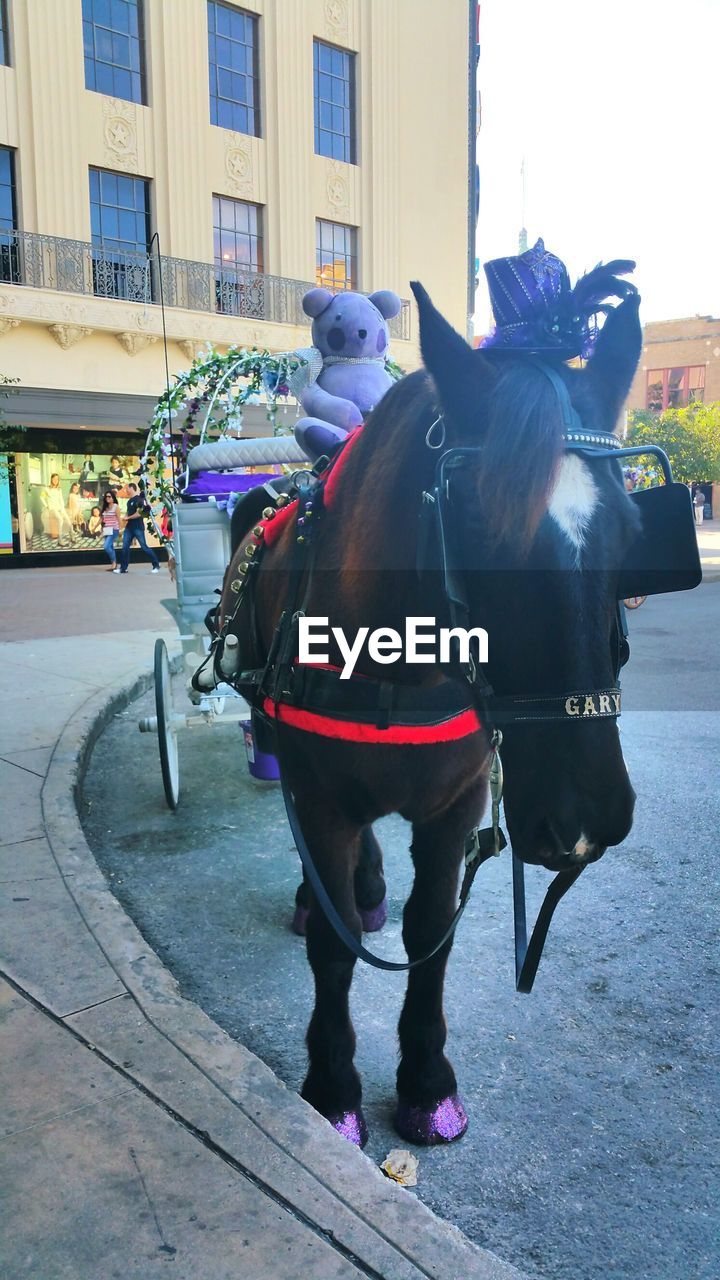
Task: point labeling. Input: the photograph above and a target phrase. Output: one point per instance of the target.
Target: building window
(238, 245)
(114, 45)
(334, 84)
(120, 220)
(9, 247)
(4, 36)
(335, 255)
(675, 388)
(233, 59)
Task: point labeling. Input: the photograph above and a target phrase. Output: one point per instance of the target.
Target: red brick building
(680, 363)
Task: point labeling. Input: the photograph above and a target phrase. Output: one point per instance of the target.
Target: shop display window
(60, 495)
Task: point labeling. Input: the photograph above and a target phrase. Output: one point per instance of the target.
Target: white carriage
(200, 548)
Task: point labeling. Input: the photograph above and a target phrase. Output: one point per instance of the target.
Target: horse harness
(664, 558)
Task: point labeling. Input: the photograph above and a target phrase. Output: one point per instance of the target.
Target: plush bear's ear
(387, 303)
(315, 301)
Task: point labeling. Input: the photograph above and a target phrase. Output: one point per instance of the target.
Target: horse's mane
(391, 455)
(522, 446)
(516, 419)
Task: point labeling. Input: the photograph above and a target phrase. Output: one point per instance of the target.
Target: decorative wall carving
(336, 186)
(239, 164)
(134, 342)
(190, 347)
(7, 323)
(66, 335)
(120, 134)
(336, 19)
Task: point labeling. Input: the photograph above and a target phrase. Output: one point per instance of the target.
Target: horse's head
(544, 533)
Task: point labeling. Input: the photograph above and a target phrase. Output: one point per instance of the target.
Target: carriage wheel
(167, 737)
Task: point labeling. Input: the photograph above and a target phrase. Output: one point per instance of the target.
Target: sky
(614, 107)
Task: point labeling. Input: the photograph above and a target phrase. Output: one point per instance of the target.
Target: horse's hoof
(373, 921)
(299, 920)
(351, 1124)
(428, 1126)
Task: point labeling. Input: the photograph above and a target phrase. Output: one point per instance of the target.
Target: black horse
(543, 533)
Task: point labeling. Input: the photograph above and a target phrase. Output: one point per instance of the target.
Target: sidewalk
(135, 1132)
(709, 544)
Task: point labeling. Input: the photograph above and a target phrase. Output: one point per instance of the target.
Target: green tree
(690, 438)
(8, 433)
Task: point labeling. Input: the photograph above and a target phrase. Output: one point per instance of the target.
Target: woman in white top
(54, 505)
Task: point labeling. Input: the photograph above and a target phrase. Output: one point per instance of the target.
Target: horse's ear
(454, 366)
(612, 366)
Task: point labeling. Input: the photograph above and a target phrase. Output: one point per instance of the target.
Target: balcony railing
(74, 266)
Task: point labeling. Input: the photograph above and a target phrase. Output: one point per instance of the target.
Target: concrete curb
(213, 1085)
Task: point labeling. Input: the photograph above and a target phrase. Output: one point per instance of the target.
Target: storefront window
(60, 494)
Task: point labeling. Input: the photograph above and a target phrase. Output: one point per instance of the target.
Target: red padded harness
(275, 525)
(452, 729)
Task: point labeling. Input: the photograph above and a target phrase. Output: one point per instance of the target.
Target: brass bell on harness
(283, 500)
(268, 513)
(250, 549)
(235, 585)
(243, 568)
(258, 531)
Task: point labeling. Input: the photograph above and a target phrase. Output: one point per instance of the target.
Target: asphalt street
(592, 1149)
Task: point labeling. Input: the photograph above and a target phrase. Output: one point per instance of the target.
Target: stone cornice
(114, 316)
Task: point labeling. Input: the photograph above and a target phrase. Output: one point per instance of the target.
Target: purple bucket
(261, 764)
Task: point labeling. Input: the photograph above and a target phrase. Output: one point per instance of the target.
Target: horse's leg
(369, 889)
(302, 908)
(429, 1109)
(370, 883)
(332, 1084)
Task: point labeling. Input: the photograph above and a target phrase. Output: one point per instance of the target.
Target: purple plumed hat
(537, 310)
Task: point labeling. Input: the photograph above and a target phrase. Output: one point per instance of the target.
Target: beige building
(680, 363)
(260, 147)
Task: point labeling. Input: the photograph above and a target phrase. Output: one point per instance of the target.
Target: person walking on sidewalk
(110, 516)
(135, 530)
(699, 504)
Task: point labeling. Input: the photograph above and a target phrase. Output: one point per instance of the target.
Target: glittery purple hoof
(373, 921)
(299, 920)
(351, 1124)
(428, 1126)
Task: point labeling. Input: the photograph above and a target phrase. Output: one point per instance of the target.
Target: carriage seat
(215, 468)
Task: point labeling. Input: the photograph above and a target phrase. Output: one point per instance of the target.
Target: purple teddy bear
(346, 373)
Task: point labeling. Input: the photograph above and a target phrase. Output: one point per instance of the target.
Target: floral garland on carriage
(209, 399)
